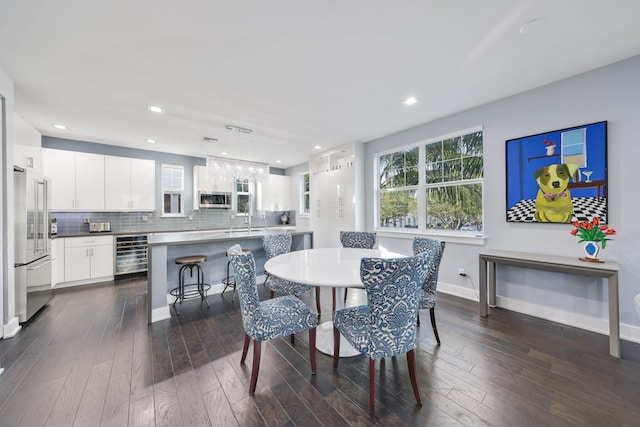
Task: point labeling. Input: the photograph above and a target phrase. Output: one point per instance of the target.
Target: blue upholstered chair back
(245, 270)
(358, 239)
(434, 249)
(276, 244)
(393, 291)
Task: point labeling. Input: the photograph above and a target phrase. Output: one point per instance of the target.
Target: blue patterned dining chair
(269, 319)
(277, 244)
(355, 239)
(435, 249)
(386, 326)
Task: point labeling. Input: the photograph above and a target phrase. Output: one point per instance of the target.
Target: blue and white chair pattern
(358, 239)
(277, 244)
(386, 326)
(266, 320)
(355, 239)
(434, 249)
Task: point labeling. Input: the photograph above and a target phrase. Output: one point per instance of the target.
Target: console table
(607, 270)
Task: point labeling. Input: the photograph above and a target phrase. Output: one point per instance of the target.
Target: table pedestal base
(324, 341)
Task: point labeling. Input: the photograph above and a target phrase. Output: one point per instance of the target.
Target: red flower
(574, 231)
(595, 220)
(610, 231)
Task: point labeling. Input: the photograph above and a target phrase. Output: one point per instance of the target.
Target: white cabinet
(129, 184)
(27, 156)
(334, 201)
(88, 259)
(77, 179)
(276, 194)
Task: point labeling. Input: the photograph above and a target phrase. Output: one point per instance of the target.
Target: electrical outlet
(190, 217)
(461, 272)
(145, 218)
(86, 220)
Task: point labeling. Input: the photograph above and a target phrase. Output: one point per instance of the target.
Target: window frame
(172, 190)
(421, 189)
(251, 193)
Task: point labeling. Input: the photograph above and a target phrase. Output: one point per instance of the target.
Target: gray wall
(611, 93)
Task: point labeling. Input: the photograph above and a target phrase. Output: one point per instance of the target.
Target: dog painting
(553, 201)
(558, 176)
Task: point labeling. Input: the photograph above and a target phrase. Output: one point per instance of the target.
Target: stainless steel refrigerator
(32, 245)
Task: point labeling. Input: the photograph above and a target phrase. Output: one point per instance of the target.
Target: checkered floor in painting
(584, 209)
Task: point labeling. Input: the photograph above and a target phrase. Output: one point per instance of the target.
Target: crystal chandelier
(234, 169)
(227, 169)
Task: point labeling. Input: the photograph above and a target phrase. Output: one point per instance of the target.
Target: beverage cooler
(131, 254)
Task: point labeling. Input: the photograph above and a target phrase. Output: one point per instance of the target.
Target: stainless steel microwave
(214, 199)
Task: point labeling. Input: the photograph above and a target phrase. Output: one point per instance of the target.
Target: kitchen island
(164, 248)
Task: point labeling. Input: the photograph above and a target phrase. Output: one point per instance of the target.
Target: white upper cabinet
(77, 179)
(27, 150)
(276, 194)
(130, 184)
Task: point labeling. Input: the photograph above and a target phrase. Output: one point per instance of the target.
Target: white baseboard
(162, 313)
(11, 329)
(581, 321)
(60, 285)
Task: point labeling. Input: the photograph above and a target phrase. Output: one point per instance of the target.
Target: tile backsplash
(72, 223)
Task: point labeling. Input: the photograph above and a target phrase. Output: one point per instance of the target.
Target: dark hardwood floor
(89, 358)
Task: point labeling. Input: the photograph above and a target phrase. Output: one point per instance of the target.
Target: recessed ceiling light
(410, 101)
(151, 141)
(61, 127)
(317, 147)
(223, 153)
(155, 109)
(278, 161)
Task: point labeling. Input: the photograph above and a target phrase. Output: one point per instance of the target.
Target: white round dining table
(327, 267)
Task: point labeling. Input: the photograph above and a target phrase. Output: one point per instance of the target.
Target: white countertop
(203, 236)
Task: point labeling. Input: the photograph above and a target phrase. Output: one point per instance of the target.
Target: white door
(60, 167)
(102, 261)
(117, 186)
(77, 264)
(143, 185)
(89, 181)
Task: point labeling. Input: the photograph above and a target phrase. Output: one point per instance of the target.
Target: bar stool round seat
(230, 280)
(197, 289)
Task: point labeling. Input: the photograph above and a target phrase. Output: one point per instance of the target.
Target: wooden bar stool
(186, 291)
(230, 280)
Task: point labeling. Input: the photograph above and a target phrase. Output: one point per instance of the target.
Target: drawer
(74, 242)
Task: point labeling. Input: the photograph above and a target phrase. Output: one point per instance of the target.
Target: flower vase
(591, 250)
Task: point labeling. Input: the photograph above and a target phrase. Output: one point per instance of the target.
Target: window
(433, 185)
(574, 147)
(243, 196)
(172, 189)
(304, 193)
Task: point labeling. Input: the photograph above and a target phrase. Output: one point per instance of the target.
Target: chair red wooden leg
(272, 294)
(318, 299)
(432, 312)
(256, 366)
(312, 349)
(372, 394)
(411, 362)
(336, 347)
(293, 339)
(333, 294)
(345, 295)
(245, 350)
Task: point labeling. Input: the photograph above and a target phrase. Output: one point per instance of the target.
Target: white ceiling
(298, 73)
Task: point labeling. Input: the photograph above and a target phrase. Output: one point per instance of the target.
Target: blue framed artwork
(558, 176)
